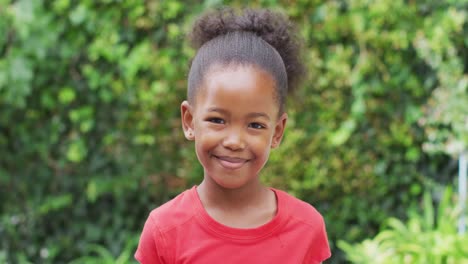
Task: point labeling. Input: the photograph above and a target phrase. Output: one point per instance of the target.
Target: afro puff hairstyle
(256, 37)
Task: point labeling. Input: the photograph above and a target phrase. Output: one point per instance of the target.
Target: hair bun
(273, 27)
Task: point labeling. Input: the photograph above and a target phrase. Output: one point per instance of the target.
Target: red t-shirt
(181, 231)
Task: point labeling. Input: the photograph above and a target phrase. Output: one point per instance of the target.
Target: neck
(214, 196)
(250, 206)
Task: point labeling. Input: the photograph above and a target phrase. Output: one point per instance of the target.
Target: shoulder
(153, 246)
(174, 212)
(299, 209)
(307, 220)
(303, 216)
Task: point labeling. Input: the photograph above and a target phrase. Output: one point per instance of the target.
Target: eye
(257, 125)
(215, 120)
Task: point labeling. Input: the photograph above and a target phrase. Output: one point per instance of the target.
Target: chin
(232, 184)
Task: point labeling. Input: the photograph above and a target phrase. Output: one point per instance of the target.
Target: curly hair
(256, 37)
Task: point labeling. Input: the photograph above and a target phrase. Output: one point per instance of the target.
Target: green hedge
(90, 130)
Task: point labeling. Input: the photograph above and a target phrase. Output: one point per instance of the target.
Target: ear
(187, 120)
(279, 130)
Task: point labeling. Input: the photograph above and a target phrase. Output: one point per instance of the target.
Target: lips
(231, 163)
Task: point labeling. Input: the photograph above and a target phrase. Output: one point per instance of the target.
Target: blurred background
(91, 141)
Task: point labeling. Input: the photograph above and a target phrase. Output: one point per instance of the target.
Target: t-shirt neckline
(213, 226)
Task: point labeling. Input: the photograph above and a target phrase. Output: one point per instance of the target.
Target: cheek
(202, 151)
(205, 141)
(261, 146)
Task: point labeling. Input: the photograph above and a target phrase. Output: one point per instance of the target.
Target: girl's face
(234, 122)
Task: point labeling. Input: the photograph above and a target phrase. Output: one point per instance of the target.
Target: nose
(234, 140)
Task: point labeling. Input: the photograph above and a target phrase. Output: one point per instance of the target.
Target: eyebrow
(217, 109)
(260, 114)
(250, 115)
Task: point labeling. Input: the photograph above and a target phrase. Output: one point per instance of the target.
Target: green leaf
(340, 136)
(55, 203)
(66, 95)
(77, 151)
(78, 15)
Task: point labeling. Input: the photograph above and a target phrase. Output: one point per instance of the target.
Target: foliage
(101, 255)
(358, 118)
(446, 112)
(90, 131)
(429, 236)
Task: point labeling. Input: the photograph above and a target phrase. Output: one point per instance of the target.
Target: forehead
(238, 86)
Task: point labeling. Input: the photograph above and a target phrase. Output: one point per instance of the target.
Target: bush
(429, 236)
(89, 120)
(101, 255)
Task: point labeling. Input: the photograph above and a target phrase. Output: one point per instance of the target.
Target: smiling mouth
(231, 163)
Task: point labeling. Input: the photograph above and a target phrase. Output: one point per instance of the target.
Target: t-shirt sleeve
(319, 250)
(149, 248)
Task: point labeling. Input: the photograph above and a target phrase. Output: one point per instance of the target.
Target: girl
(235, 113)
